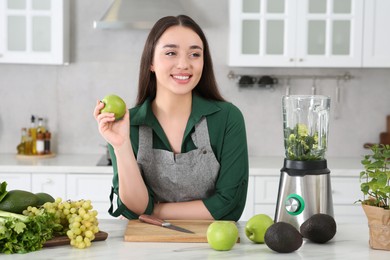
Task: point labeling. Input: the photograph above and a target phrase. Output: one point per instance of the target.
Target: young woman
(184, 154)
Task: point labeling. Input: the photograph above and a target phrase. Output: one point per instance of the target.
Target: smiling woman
(184, 154)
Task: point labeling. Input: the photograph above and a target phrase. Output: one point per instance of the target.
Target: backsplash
(104, 62)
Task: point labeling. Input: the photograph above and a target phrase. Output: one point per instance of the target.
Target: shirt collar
(200, 107)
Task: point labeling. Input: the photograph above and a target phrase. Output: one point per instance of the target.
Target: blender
(304, 185)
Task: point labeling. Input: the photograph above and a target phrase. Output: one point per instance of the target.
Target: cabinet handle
(48, 181)
(300, 60)
(291, 59)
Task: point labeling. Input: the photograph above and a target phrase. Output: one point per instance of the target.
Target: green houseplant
(375, 185)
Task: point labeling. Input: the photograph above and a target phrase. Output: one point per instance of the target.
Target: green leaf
(3, 190)
(19, 227)
(365, 188)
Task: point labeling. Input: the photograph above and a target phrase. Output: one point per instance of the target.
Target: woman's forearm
(132, 189)
(182, 210)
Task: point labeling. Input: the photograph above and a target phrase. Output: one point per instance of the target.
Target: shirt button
(204, 151)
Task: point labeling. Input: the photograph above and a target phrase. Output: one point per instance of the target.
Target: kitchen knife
(159, 222)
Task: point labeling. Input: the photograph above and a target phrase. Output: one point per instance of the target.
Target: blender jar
(305, 126)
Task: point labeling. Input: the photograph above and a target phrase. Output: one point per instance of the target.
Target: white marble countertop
(86, 163)
(70, 163)
(350, 242)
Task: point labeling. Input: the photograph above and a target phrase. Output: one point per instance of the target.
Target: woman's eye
(170, 53)
(195, 54)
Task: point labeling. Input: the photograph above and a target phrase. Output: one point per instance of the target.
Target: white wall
(106, 61)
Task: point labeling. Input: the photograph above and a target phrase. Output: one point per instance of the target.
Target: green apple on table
(256, 227)
(222, 235)
(114, 104)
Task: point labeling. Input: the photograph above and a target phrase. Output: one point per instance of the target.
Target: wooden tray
(64, 240)
(138, 231)
(43, 156)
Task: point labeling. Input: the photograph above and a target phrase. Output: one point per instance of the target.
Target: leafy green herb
(301, 146)
(23, 234)
(376, 177)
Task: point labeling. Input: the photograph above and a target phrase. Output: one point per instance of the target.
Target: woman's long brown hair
(207, 86)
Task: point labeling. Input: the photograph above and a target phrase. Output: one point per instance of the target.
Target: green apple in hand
(256, 227)
(114, 104)
(222, 235)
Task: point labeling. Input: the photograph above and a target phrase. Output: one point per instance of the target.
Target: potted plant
(375, 185)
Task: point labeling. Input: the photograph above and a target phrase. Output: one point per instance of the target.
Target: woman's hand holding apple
(115, 132)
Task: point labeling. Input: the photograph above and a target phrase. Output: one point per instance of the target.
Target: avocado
(18, 200)
(319, 228)
(43, 198)
(283, 237)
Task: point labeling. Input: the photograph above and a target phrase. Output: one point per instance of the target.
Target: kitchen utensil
(138, 231)
(159, 222)
(267, 81)
(304, 185)
(246, 81)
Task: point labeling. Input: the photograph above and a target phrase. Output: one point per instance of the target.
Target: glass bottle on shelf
(28, 144)
(40, 143)
(41, 128)
(33, 132)
(22, 145)
(47, 142)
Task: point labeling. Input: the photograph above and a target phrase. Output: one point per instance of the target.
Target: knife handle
(151, 220)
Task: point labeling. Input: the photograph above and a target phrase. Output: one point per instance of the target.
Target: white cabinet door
(53, 184)
(96, 188)
(296, 33)
(17, 181)
(329, 33)
(262, 33)
(34, 31)
(377, 37)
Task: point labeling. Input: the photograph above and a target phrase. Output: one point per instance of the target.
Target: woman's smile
(181, 78)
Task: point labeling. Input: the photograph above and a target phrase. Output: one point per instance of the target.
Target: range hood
(140, 14)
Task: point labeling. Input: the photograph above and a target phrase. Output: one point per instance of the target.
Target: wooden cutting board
(138, 231)
(64, 240)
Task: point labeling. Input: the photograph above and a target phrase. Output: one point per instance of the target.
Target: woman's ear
(152, 68)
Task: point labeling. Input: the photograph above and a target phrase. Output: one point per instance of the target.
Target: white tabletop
(350, 242)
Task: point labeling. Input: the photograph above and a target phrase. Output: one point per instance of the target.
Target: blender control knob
(292, 205)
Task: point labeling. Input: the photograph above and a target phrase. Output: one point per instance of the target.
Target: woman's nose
(182, 62)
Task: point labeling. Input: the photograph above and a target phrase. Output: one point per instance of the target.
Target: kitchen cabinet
(376, 34)
(97, 188)
(34, 31)
(53, 184)
(19, 181)
(297, 33)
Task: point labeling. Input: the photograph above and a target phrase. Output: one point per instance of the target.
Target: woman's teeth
(181, 77)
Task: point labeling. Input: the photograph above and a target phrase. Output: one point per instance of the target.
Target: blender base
(303, 194)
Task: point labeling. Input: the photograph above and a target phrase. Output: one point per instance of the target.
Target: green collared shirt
(228, 140)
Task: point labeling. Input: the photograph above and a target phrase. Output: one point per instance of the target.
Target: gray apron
(179, 177)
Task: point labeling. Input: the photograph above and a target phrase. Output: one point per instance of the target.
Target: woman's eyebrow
(170, 46)
(173, 46)
(193, 47)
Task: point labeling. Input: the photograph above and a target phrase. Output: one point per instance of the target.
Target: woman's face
(178, 60)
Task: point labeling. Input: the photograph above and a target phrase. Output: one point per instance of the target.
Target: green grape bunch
(76, 219)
